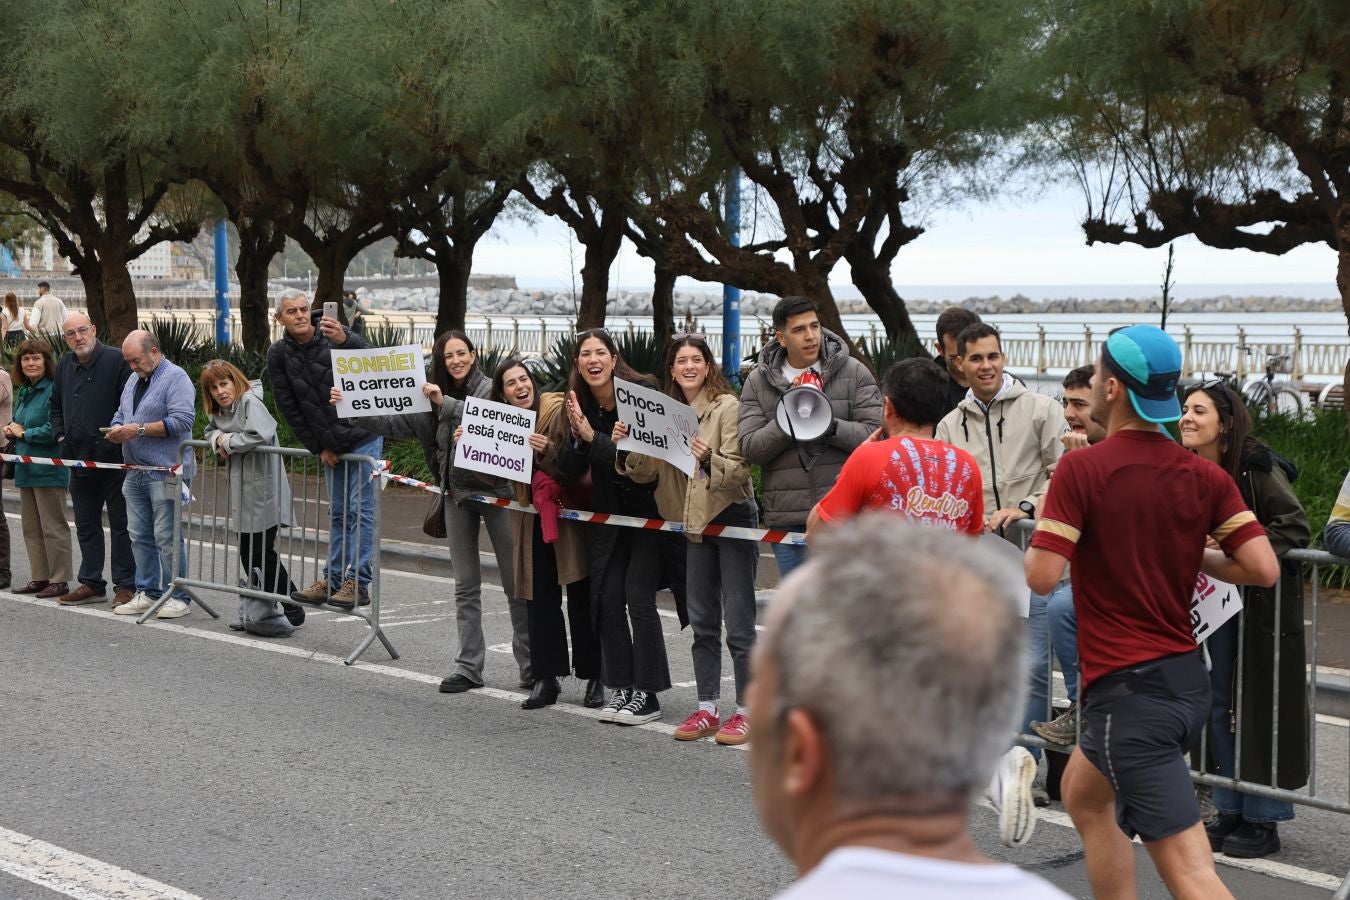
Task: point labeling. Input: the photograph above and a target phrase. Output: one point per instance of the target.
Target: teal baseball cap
(1149, 362)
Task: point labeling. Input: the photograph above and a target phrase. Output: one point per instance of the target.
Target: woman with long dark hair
(550, 553)
(1216, 425)
(454, 376)
(720, 575)
(625, 563)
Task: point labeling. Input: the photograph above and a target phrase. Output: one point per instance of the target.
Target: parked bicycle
(1272, 393)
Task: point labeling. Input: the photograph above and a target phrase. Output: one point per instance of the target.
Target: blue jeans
(150, 509)
(1038, 666)
(351, 517)
(1223, 647)
(789, 556)
(1064, 635)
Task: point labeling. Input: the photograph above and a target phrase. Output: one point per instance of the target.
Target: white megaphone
(804, 412)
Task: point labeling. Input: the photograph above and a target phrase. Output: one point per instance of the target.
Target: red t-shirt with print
(928, 481)
(1132, 513)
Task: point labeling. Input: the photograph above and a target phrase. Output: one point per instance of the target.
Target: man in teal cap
(1133, 512)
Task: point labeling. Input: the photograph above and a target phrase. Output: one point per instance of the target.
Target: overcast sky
(1007, 244)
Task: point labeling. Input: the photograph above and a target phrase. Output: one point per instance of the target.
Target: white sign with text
(381, 381)
(1213, 603)
(658, 425)
(496, 440)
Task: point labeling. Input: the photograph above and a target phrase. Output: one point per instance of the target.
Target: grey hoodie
(260, 495)
(855, 399)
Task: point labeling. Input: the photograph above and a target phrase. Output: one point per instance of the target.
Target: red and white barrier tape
(767, 535)
(82, 463)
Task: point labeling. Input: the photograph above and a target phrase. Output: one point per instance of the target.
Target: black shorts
(1138, 726)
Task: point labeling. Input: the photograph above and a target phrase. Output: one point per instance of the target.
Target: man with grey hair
(864, 806)
(85, 395)
(156, 413)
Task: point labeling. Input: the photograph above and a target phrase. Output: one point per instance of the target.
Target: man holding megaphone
(805, 406)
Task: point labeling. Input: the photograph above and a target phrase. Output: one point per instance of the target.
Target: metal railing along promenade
(1313, 794)
(207, 530)
(1031, 348)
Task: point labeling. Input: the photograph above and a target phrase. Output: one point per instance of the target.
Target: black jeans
(257, 550)
(548, 629)
(90, 493)
(635, 658)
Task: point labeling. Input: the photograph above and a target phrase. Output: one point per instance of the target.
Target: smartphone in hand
(105, 430)
(330, 310)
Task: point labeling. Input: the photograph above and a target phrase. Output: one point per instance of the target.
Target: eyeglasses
(689, 336)
(590, 332)
(78, 332)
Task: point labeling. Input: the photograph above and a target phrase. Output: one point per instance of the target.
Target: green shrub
(1316, 444)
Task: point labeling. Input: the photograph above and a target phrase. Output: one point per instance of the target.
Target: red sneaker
(735, 732)
(700, 724)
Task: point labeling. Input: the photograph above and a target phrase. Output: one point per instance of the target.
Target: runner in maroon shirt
(1133, 513)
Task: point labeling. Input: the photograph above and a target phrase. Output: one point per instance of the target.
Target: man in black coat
(85, 395)
(301, 371)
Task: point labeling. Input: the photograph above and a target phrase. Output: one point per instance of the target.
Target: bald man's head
(141, 351)
(80, 336)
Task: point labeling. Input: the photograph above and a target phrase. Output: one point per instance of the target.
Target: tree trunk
(119, 299)
(259, 243)
(663, 306)
(601, 251)
(453, 266)
(91, 275)
(873, 280)
(332, 263)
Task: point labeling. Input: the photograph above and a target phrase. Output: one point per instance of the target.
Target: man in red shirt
(901, 468)
(1133, 513)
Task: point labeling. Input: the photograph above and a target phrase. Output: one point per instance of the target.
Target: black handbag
(434, 524)
(7, 471)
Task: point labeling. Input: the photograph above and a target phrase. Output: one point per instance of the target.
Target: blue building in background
(7, 265)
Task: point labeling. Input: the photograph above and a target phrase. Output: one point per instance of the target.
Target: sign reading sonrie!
(380, 381)
(496, 440)
(657, 425)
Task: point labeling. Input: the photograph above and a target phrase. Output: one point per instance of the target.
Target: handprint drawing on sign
(683, 431)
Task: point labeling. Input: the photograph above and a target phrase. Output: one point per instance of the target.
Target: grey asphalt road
(231, 767)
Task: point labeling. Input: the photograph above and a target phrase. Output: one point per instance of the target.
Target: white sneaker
(135, 606)
(173, 609)
(1010, 792)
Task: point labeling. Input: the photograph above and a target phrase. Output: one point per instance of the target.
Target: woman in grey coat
(260, 496)
(454, 376)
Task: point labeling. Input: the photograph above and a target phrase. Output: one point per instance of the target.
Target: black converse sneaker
(616, 702)
(641, 707)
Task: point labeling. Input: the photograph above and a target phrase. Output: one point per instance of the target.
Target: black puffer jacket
(302, 376)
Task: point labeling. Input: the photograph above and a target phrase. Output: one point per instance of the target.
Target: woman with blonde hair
(42, 488)
(260, 496)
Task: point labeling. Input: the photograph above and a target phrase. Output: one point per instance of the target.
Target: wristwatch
(140, 429)
(1028, 507)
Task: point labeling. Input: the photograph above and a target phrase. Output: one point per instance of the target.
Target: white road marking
(1054, 817)
(74, 875)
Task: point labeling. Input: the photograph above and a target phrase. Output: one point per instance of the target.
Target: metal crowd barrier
(207, 530)
(1309, 795)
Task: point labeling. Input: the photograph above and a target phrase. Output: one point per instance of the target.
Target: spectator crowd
(910, 500)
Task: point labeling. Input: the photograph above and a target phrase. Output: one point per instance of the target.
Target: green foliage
(552, 370)
(180, 342)
(385, 336)
(882, 353)
(1316, 444)
(641, 351)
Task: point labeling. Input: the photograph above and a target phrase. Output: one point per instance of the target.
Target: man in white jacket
(1014, 435)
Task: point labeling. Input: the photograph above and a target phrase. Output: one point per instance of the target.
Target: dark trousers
(633, 658)
(5, 574)
(548, 630)
(257, 550)
(721, 575)
(90, 493)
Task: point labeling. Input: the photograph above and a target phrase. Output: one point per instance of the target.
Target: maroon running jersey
(1132, 513)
